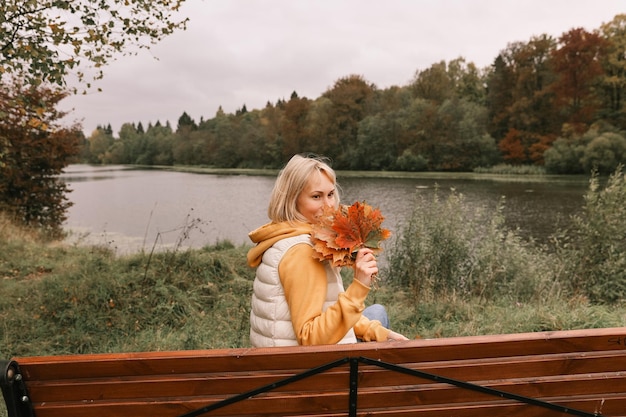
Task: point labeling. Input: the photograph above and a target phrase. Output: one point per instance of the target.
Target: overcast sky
(237, 52)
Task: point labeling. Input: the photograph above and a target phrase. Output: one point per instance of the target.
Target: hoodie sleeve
(304, 281)
(370, 330)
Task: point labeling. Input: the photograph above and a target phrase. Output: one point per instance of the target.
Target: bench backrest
(580, 372)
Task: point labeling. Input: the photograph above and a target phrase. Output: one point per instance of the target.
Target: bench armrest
(14, 391)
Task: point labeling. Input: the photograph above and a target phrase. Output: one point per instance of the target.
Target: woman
(297, 299)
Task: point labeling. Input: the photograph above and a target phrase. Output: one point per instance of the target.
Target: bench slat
(584, 369)
(336, 405)
(230, 360)
(234, 383)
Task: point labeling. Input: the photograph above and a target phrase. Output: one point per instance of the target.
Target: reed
(508, 169)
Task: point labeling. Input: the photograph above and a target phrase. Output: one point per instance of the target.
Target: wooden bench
(580, 372)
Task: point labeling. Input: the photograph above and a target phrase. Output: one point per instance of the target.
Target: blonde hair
(290, 182)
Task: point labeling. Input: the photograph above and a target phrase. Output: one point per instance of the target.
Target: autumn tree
(613, 80)
(42, 43)
(46, 40)
(576, 63)
(531, 108)
(500, 82)
(34, 149)
(520, 101)
(524, 147)
(293, 127)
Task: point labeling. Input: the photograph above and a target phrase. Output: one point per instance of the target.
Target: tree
(532, 108)
(293, 128)
(614, 65)
(44, 40)
(513, 147)
(577, 65)
(520, 100)
(155, 146)
(500, 82)
(34, 149)
(456, 79)
(185, 124)
(350, 97)
(377, 142)
(126, 149)
(469, 80)
(99, 143)
(434, 83)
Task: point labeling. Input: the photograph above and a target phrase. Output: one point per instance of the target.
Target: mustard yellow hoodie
(304, 281)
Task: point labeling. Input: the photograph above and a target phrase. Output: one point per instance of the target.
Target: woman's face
(318, 193)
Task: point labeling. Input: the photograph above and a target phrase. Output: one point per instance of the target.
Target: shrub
(602, 148)
(564, 156)
(605, 153)
(593, 250)
(411, 162)
(452, 250)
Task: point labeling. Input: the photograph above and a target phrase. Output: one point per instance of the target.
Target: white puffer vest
(270, 320)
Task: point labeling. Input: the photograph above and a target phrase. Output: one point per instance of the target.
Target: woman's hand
(396, 336)
(365, 266)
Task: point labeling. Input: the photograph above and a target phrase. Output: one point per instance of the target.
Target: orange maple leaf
(341, 233)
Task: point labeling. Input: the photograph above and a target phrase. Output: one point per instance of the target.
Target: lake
(130, 210)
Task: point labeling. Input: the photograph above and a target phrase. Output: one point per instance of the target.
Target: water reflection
(537, 209)
(83, 173)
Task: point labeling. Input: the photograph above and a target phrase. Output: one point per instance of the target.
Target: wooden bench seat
(581, 372)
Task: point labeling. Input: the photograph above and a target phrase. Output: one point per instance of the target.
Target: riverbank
(502, 175)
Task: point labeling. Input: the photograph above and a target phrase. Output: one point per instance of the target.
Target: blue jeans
(377, 312)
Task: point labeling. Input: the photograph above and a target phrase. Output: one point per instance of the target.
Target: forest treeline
(557, 103)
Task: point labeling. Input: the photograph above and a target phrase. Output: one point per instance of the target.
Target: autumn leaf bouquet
(341, 232)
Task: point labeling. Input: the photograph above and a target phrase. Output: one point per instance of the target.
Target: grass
(69, 299)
